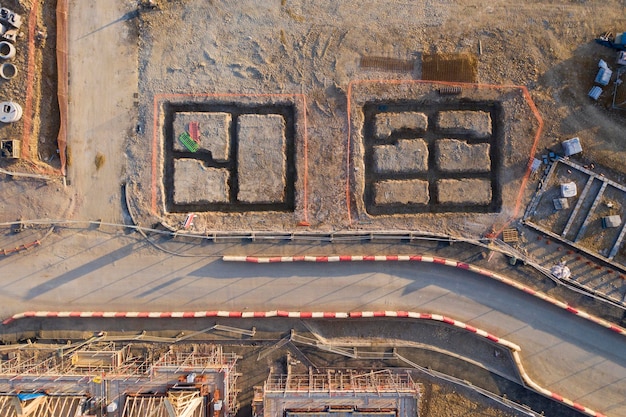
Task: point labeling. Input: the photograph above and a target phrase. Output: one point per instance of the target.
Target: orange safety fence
(533, 148)
(30, 79)
(62, 71)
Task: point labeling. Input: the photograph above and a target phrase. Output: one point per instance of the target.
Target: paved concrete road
(111, 272)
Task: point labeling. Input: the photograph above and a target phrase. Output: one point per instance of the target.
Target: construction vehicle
(615, 42)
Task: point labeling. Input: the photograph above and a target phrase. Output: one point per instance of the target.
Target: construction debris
(568, 189)
(604, 74)
(616, 42)
(561, 271)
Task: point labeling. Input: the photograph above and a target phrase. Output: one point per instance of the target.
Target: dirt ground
(295, 47)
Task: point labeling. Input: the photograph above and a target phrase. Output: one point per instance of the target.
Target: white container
(7, 50)
(595, 92)
(10, 112)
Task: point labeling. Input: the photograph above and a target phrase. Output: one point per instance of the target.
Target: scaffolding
(109, 371)
(210, 358)
(40, 406)
(383, 381)
(335, 393)
(174, 404)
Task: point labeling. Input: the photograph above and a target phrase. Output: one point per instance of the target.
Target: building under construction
(338, 393)
(113, 380)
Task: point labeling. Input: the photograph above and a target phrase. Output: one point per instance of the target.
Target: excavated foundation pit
(244, 161)
(432, 157)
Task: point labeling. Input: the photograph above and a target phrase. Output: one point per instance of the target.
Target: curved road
(561, 352)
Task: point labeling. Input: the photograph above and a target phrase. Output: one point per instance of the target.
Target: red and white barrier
(515, 349)
(430, 259)
(262, 314)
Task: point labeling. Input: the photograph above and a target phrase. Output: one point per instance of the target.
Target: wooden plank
(194, 131)
(510, 235)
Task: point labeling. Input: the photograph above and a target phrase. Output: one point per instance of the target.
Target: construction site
(287, 367)
(109, 379)
(97, 379)
(153, 152)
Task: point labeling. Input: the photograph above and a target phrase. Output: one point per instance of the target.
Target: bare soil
(317, 49)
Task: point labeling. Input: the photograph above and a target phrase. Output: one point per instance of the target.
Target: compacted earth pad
(459, 156)
(261, 165)
(466, 191)
(401, 192)
(195, 183)
(475, 123)
(213, 131)
(387, 123)
(404, 156)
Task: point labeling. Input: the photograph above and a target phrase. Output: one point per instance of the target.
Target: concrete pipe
(8, 71)
(7, 50)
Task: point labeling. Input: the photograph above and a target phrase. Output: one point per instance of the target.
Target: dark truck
(616, 42)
